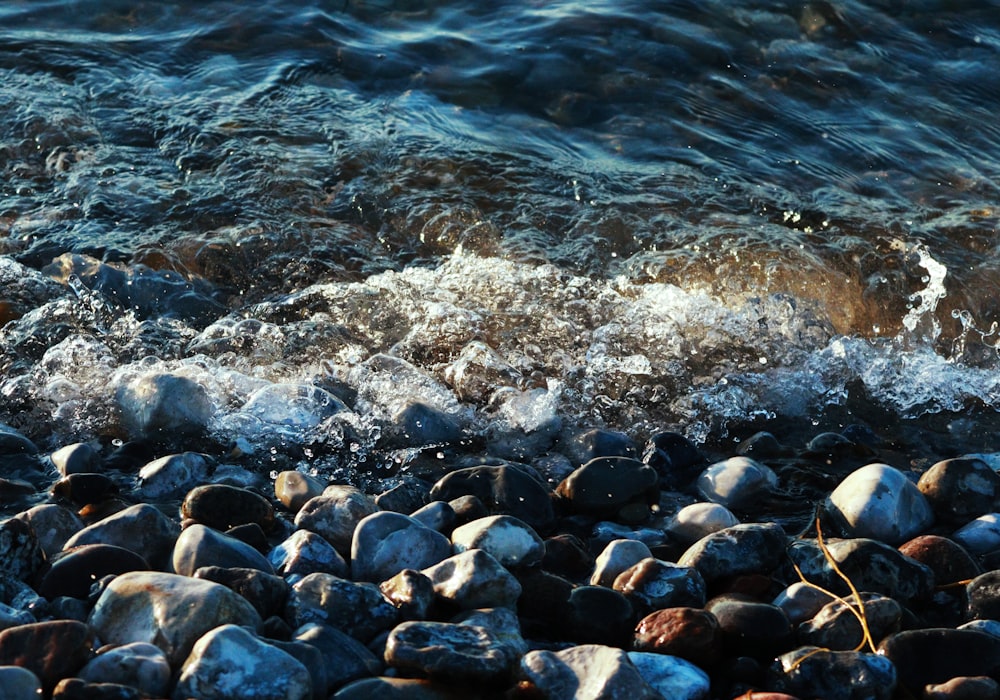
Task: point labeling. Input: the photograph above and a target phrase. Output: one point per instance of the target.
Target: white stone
(385, 543)
(981, 535)
(171, 476)
(801, 602)
(511, 541)
(736, 482)
(694, 521)
(305, 553)
(673, 677)
(880, 503)
(616, 557)
(474, 579)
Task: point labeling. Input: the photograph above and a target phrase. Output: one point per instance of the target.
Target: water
(709, 217)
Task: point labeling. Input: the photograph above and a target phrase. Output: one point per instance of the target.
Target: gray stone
(502, 623)
(736, 482)
(385, 543)
(474, 579)
(505, 489)
(980, 536)
(19, 683)
(266, 592)
(12, 617)
(53, 525)
(605, 485)
(335, 514)
(229, 663)
(161, 403)
(837, 628)
(801, 602)
(437, 515)
(77, 458)
(755, 548)
(616, 557)
(172, 476)
(304, 553)
(960, 489)
(167, 610)
(140, 665)
(936, 655)
(141, 528)
(21, 555)
(879, 502)
(984, 596)
(510, 541)
(653, 585)
(199, 546)
(697, 520)
(672, 677)
(810, 672)
(358, 609)
(586, 672)
(467, 652)
(345, 659)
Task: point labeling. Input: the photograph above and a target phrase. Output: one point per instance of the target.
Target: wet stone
(740, 549)
(164, 404)
(73, 573)
(758, 630)
(78, 689)
(688, 633)
(14, 443)
(616, 557)
(879, 502)
(141, 528)
(345, 659)
(53, 525)
(598, 615)
(836, 627)
(946, 558)
(229, 663)
(568, 556)
(543, 606)
(405, 497)
(960, 489)
(358, 609)
(19, 683)
(509, 540)
(589, 671)
(335, 514)
(801, 601)
(51, 650)
(931, 656)
(21, 554)
(77, 458)
(411, 592)
(980, 536)
(171, 476)
(503, 489)
(386, 688)
(167, 610)
(737, 482)
(676, 459)
(140, 665)
(503, 623)
(474, 579)
(385, 543)
(697, 520)
(199, 546)
(290, 405)
(437, 515)
(85, 487)
(304, 553)
(672, 677)
(417, 423)
(293, 489)
(267, 593)
(605, 485)
(223, 507)
(653, 585)
(588, 445)
(963, 688)
(809, 672)
(984, 596)
(461, 651)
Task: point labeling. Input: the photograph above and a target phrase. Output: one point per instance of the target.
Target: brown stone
(946, 558)
(51, 650)
(689, 633)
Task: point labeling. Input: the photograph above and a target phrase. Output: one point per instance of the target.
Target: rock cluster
(492, 581)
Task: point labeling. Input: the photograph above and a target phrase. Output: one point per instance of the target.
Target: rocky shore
(606, 570)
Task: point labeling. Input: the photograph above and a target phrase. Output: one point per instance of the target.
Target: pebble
(758, 630)
(931, 656)
(334, 515)
(417, 423)
(676, 459)
(411, 592)
(52, 650)
(172, 476)
(736, 550)
(510, 541)
(616, 557)
(77, 458)
(946, 558)
(161, 403)
(223, 507)
(980, 536)
(879, 502)
(357, 609)
(385, 543)
(837, 628)
(474, 579)
(653, 585)
(344, 658)
(141, 528)
(697, 520)
(811, 672)
(53, 525)
(465, 652)
(502, 622)
(801, 602)
(598, 615)
(567, 555)
(268, 594)
(590, 444)
(963, 688)
(437, 515)
(405, 497)
(737, 482)
(76, 570)
(293, 489)
(303, 553)
(199, 546)
(688, 633)
(167, 610)
(673, 678)
(386, 688)
(960, 489)
(503, 489)
(21, 555)
(984, 596)
(19, 683)
(230, 663)
(83, 488)
(586, 672)
(140, 665)
(606, 485)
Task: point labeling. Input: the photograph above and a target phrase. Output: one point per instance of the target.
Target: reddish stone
(946, 558)
(964, 688)
(692, 634)
(51, 650)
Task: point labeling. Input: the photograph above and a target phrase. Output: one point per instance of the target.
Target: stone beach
(605, 570)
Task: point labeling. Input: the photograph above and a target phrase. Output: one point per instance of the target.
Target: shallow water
(710, 217)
